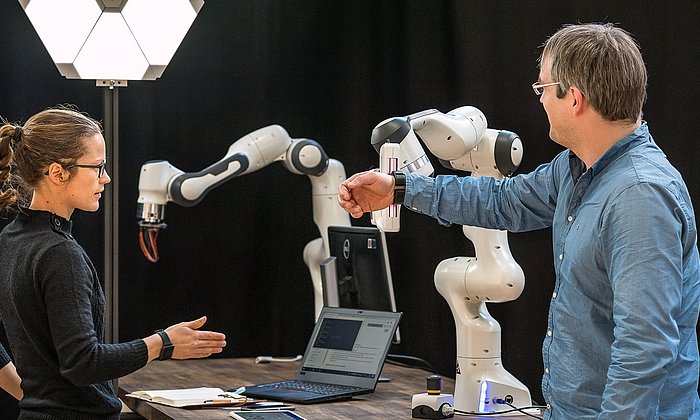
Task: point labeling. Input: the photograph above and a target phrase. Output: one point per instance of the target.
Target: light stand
(111, 213)
(111, 41)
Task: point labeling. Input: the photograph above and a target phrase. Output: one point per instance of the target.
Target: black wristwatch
(399, 186)
(167, 351)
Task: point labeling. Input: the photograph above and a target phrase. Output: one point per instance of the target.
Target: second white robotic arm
(160, 182)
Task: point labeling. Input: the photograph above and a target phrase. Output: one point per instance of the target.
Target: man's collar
(638, 136)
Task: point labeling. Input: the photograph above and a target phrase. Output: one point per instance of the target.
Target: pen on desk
(284, 408)
(228, 400)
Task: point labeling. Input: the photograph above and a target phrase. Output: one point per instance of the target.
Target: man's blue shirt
(621, 337)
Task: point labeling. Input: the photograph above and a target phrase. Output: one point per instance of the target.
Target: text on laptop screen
(350, 345)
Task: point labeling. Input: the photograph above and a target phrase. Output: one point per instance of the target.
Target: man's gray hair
(604, 63)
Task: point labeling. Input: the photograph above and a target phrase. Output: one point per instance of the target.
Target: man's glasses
(100, 168)
(539, 87)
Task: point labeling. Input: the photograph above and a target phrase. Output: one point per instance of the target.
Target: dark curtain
(331, 71)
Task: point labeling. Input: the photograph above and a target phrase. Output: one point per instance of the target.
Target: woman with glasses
(51, 301)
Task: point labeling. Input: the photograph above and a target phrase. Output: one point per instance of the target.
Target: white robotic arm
(462, 141)
(160, 183)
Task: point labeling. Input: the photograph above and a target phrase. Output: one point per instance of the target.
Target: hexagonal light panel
(112, 39)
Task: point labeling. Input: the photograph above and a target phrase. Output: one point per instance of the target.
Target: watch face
(167, 352)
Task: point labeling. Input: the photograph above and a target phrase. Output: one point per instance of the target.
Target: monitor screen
(357, 274)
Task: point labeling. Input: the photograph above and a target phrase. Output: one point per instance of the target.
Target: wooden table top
(390, 400)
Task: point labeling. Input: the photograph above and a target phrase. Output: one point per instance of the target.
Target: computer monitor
(357, 274)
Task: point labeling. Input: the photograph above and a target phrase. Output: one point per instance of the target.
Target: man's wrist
(399, 187)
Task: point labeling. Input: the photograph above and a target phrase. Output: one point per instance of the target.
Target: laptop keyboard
(313, 387)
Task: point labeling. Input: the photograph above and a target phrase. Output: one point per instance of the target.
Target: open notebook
(344, 357)
(191, 397)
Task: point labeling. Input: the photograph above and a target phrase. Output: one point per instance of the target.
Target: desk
(390, 400)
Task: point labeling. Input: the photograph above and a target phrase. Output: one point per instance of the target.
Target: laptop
(344, 357)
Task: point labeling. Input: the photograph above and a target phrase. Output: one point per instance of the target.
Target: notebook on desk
(344, 357)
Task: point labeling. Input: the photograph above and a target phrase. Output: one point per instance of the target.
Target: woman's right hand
(188, 341)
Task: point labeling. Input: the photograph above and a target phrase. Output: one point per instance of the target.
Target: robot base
(431, 406)
(479, 382)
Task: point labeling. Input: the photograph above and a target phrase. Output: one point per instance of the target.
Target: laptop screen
(348, 346)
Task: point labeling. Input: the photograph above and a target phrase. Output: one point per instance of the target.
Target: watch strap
(166, 352)
(399, 187)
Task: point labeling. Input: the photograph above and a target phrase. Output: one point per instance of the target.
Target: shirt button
(546, 370)
(570, 218)
(554, 295)
(549, 333)
(561, 257)
(549, 406)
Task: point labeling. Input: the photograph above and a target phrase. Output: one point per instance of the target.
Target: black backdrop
(331, 71)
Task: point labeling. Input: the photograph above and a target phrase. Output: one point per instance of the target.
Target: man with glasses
(621, 338)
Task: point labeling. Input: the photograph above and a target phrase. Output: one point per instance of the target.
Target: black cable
(498, 413)
(423, 363)
(522, 411)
